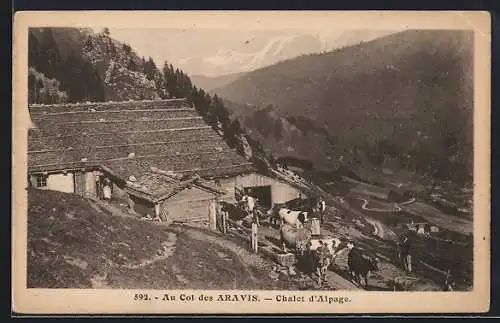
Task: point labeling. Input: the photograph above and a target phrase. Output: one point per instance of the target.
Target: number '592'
(141, 297)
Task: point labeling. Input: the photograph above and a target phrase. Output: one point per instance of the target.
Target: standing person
(449, 281)
(244, 201)
(452, 278)
(221, 216)
(250, 203)
(322, 209)
(251, 208)
(106, 190)
(323, 257)
(218, 215)
(238, 194)
(405, 254)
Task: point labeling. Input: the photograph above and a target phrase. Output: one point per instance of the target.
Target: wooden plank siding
(187, 205)
(90, 185)
(280, 192)
(61, 182)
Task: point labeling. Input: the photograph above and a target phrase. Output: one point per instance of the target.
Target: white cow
(332, 243)
(294, 237)
(335, 246)
(293, 218)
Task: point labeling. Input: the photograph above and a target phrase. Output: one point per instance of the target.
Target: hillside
(74, 244)
(405, 97)
(122, 71)
(88, 66)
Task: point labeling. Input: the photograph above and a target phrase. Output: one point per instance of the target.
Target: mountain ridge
(408, 95)
(251, 53)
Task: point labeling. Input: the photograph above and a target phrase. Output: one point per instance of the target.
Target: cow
(360, 266)
(336, 246)
(321, 260)
(294, 218)
(294, 237)
(274, 218)
(301, 204)
(235, 213)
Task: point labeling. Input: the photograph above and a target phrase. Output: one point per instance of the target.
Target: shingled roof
(129, 138)
(158, 185)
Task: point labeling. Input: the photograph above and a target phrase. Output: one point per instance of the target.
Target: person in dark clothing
(449, 281)
(405, 254)
(453, 275)
(323, 257)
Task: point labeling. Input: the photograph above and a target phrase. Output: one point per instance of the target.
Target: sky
(224, 51)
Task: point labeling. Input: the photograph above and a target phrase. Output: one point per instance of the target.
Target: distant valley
(208, 83)
(405, 99)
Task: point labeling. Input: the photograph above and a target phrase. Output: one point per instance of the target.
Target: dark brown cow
(360, 265)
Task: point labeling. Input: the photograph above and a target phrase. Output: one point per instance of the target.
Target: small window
(41, 180)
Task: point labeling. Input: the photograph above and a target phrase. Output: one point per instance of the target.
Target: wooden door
(79, 183)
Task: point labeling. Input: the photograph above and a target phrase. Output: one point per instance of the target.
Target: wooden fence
(251, 236)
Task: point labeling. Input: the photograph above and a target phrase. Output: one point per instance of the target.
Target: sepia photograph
(196, 166)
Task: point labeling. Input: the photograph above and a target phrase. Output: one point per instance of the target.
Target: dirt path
(381, 230)
(168, 248)
(410, 201)
(241, 256)
(226, 264)
(364, 206)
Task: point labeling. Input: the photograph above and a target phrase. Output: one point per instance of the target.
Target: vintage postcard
(251, 162)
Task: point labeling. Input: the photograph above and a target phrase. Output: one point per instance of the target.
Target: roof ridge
(170, 142)
(89, 103)
(98, 161)
(128, 120)
(217, 167)
(127, 132)
(45, 114)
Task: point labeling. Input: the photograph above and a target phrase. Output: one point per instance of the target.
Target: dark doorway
(261, 193)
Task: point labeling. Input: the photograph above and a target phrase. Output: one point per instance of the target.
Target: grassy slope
(62, 225)
(73, 245)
